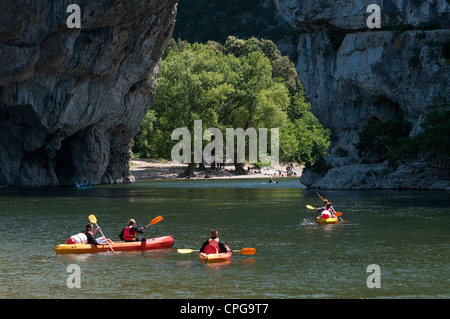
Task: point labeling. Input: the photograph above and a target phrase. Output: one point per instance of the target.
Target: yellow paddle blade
(246, 251)
(92, 219)
(186, 251)
(310, 207)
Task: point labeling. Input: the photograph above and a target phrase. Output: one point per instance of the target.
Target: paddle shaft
(105, 238)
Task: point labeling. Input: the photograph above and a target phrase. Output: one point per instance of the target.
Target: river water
(404, 233)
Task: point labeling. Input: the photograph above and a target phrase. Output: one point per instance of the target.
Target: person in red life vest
(130, 231)
(327, 211)
(213, 245)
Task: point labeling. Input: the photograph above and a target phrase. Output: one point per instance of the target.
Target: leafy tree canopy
(242, 83)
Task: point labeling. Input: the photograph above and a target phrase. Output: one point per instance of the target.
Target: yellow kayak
(322, 221)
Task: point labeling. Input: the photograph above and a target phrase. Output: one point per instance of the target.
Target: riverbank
(143, 169)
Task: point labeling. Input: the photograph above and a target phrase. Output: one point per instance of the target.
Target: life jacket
(325, 214)
(129, 235)
(212, 247)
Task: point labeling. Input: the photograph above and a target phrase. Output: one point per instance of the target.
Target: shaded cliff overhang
(72, 99)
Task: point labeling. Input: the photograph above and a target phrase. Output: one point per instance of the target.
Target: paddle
(243, 251)
(155, 220)
(93, 220)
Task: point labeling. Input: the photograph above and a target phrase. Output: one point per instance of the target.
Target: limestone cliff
(72, 99)
(352, 73)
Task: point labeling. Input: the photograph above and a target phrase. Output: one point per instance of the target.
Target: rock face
(352, 73)
(72, 99)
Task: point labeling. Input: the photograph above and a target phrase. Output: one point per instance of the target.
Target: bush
(379, 140)
(434, 139)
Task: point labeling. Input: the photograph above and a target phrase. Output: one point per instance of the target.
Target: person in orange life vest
(213, 241)
(327, 211)
(130, 231)
(90, 234)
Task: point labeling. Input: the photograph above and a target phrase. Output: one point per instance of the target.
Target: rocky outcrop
(352, 73)
(348, 173)
(72, 99)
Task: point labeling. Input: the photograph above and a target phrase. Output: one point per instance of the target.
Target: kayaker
(130, 231)
(327, 211)
(214, 241)
(90, 234)
(331, 210)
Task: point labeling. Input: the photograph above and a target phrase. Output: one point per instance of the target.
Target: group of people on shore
(289, 171)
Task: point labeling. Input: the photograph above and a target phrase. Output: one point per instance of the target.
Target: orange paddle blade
(246, 251)
(156, 220)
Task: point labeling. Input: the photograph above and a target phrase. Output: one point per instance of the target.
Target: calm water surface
(405, 233)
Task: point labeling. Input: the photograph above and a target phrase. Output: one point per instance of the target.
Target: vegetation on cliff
(391, 140)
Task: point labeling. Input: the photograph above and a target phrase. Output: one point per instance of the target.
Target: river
(403, 233)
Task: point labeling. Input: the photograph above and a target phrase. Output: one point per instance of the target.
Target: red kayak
(149, 244)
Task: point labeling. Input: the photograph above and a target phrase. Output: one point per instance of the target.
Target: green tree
(302, 136)
(190, 85)
(243, 83)
(142, 142)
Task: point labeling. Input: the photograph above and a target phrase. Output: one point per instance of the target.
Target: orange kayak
(212, 258)
(149, 244)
